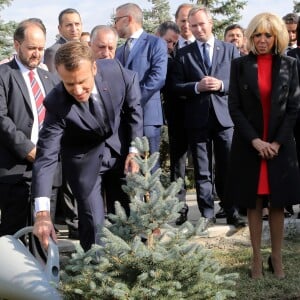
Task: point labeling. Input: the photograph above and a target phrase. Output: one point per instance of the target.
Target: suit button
(30, 124)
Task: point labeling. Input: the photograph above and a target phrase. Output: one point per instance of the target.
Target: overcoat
(246, 112)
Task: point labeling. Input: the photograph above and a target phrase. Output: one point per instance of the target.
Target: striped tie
(39, 98)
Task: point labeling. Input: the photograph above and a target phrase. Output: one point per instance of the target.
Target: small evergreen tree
(224, 13)
(143, 256)
(6, 34)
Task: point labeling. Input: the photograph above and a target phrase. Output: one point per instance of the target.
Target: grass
(238, 260)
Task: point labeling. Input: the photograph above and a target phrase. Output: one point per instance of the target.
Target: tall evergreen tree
(159, 13)
(224, 13)
(6, 33)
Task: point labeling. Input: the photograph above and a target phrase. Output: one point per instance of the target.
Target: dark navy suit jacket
(149, 59)
(71, 129)
(189, 68)
(16, 120)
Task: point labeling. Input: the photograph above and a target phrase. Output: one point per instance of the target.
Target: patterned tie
(206, 58)
(39, 98)
(98, 111)
(127, 49)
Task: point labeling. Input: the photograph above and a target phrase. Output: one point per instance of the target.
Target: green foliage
(6, 33)
(225, 12)
(296, 6)
(159, 13)
(142, 256)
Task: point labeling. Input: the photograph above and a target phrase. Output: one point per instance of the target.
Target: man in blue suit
(201, 74)
(147, 55)
(83, 124)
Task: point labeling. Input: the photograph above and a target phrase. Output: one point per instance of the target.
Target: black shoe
(183, 215)
(299, 215)
(208, 222)
(221, 214)
(236, 221)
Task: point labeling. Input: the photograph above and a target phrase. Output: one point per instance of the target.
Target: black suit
(71, 129)
(16, 121)
(206, 117)
(50, 54)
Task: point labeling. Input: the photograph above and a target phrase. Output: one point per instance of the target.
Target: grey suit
(16, 120)
(206, 117)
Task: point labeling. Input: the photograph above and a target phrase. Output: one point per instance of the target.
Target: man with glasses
(147, 55)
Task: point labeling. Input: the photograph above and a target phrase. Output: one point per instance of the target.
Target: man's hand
(130, 165)
(209, 84)
(43, 228)
(31, 155)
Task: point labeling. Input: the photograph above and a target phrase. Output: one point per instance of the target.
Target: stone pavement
(220, 235)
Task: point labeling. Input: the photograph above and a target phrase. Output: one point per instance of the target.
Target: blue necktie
(206, 58)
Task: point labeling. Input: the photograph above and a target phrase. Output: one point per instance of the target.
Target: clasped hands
(209, 83)
(266, 150)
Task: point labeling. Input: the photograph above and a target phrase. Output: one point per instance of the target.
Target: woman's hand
(266, 150)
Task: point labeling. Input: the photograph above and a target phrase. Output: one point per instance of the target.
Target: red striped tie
(39, 98)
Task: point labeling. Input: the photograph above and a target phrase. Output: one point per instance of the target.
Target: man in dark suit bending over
(201, 74)
(83, 124)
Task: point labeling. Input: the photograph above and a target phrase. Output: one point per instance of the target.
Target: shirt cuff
(196, 88)
(133, 150)
(41, 204)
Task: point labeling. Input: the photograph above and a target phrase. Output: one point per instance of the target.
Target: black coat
(247, 115)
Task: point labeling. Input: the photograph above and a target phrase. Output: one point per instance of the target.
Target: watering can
(22, 276)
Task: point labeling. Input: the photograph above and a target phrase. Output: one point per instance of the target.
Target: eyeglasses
(116, 19)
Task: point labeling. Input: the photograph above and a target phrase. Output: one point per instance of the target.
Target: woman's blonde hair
(268, 23)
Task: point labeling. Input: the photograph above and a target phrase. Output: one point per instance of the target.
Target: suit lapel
(196, 54)
(276, 67)
(251, 73)
(218, 47)
(47, 83)
(104, 93)
(139, 44)
(19, 79)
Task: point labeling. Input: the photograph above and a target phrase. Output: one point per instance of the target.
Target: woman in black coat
(264, 98)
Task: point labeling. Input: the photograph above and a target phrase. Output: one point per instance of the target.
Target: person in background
(169, 31)
(181, 19)
(291, 22)
(104, 40)
(82, 123)
(201, 74)
(70, 29)
(296, 54)
(147, 55)
(85, 37)
(263, 103)
(235, 34)
(23, 85)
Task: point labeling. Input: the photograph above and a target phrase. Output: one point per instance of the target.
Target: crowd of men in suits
(100, 97)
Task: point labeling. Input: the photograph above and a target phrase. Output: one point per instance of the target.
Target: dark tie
(39, 98)
(127, 49)
(206, 58)
(98, 111)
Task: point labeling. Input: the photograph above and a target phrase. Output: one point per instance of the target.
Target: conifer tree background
(144, 256)
(6, 33)
(159, 13)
